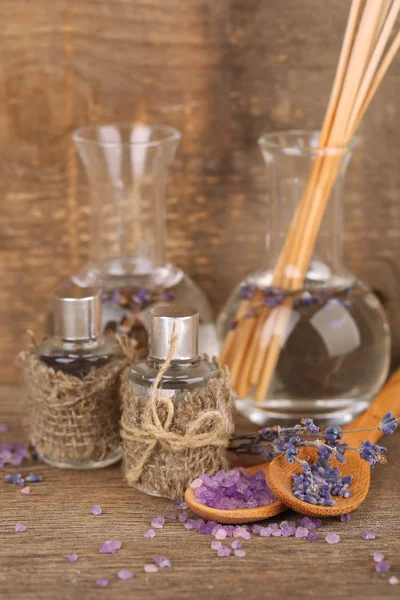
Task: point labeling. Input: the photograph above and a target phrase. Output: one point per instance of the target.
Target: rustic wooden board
(57, 515)
(223, 73)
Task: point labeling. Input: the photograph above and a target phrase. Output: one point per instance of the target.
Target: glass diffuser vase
(127, 167)
(334, 338)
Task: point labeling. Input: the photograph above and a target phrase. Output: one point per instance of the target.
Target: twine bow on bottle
(211, 427)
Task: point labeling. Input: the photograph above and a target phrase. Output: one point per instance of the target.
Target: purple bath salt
(393, 580)
(332, 538)
(301, 532)
(312, 536)
(307, 523)
(382, 566)
(224, 551)
(236, 488)
(236, 545)
(73, 557)
(345, 518)
(124, 574)
(215, 545)
(162, 561)
(149, 534)
(20, 528)
(170, 517)
(265, 532)
(183, 516)
(378, 557)
(110, 547)
(103, 582)
(256, 529)
(242, 533)
(220, 534)
(96, 510)
(368, 535)
(150, 568)
(158, 522)
(239, 553)
(196, 483)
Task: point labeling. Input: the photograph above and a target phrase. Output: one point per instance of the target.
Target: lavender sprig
(318, 482)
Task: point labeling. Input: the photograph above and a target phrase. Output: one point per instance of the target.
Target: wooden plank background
(221, 71)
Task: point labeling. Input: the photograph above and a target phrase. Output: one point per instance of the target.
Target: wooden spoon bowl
(238, 515)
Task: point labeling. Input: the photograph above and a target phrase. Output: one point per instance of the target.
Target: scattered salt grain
(382, 566)
(393, 580)
(345, 518)
(215, 545)
(265, 532)
(378, 557)
(223, 551)
(150, 568)
(26, 490)
(103, 582)
(162, 561)
(96, 510)
(256, 529)
(312, 536)
(158, 522)
(368, 535)
(183, 517)
(240, 553)
(196, 483)
(149, 534)
(317, 523)
(110, 547)
(236, 545)
(20, 528)
(73, 557)
(332, 538)
(301, 532)
(307, 523)
(182, 505)
(125, 574)
(242, 532)
(220, 534)
(170, 517)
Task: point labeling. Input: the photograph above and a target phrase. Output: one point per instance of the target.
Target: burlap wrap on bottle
(71, 419)
(166, 444)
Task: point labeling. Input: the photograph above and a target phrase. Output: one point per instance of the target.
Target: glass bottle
(186, 372)
(78, 348)
(335, 343)
(127, 167)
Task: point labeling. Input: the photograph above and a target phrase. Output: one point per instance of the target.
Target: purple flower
(124, 574)
(96, 510)
(246, 292)
(310, 426)
(333, 434)
(291, 452)
(372, 453)
(388, 424)
(73, 557)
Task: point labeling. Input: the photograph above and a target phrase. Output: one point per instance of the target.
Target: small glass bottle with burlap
(73, 383)
(177, 409)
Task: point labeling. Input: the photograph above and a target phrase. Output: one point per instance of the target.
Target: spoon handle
(388, 400)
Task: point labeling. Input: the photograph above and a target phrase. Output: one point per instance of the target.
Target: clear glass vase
(127, 167)
(334, 341)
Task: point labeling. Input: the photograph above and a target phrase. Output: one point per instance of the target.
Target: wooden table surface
(58, 520)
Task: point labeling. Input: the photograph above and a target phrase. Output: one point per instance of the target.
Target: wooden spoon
(279, 475)
(237, 515)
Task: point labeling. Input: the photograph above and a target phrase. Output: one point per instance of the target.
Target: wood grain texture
(57, 515)
(223, 73)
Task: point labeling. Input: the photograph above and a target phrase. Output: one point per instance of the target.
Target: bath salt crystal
(110, 547)
(150, 568)
(20, 528)
(158, 522)
(124, 574)
(345, 518)
(368, 535)
(393, 580)
(265, 532)
(224, 551)
(26, 490)
(73, 557)
(96, 510)
(215, 545)
(183, 517)
(170, 517)
(220, 534)
(312, 536)
(236, 545)
(301, 532)
(162, 561)
(382, 566)
(332, 538)
(378, 557)
(149, 534)
(103, 582)
(240, 553)
(196, 483)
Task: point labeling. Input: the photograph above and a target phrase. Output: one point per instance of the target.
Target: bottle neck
(77, 345)
(288, 171)
(127, 172)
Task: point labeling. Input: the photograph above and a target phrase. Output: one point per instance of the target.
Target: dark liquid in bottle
(78, 366)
